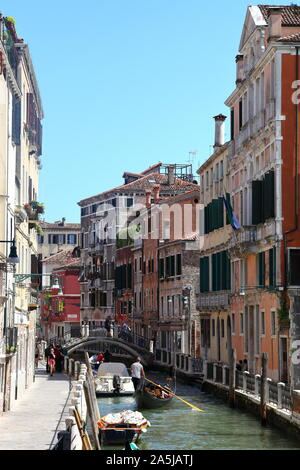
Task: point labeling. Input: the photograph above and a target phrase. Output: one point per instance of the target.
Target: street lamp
(13, 256)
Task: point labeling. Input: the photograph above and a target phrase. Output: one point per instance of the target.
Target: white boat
(113, 379)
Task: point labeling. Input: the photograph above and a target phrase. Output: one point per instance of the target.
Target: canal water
(179, 427)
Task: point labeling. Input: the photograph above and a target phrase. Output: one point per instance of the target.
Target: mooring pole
(263, 395)
(232, 369)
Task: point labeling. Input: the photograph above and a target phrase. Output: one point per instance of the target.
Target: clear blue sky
(125, 84)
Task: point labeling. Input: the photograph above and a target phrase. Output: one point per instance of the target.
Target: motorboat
(122, 428)
(113, 379)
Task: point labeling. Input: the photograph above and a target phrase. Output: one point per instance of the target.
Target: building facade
(20, 153)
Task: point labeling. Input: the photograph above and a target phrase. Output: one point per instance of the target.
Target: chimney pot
(239, 68)
(219, 130)
(275, 19)
(171, 174)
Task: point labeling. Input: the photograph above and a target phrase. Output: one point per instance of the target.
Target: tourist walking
(137, 373)
(47, 352)
(58, 358)
(51, 361)
(38, 353)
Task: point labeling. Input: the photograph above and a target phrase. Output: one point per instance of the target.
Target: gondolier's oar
(176, 396)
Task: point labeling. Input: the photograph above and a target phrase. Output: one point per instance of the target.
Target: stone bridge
(114, 346)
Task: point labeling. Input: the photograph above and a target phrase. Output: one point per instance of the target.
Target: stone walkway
(38, 415)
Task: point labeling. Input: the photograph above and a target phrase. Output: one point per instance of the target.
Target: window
(161, 268)
(162, 305)
(204, 274)
(241, 323)
(232, 124)
(257, 335)
(40, 239)
(72, 239)
(233, 323)
(213, 327)
(240, 114)
(273, 323)
(263, 324)
(272, 267)
(178, 265)
(222, 328)
(221, 170)
(129, 202)
(246, 329)
(261, 269)
(294, 271)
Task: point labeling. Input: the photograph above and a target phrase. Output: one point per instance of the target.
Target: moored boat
(150, 396)
(113, 379)
(122, 428)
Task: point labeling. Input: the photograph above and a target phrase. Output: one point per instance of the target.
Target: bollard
(245, 375)
(77, 369)
(256, 384)
(66, 364)
(268, 390)
(71, 362)
(280, 388)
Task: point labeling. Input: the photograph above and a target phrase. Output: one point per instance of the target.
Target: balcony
(212, 301)
(21, 215)
(242, 241)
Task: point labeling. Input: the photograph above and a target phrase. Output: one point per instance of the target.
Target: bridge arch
(104, 343)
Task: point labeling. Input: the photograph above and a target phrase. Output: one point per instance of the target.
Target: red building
(60, 306)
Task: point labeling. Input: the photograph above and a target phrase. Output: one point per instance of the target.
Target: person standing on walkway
(51, 361)
(137, 373)
(107, 356)
(47, 352)
(58, 358)
(38, 353)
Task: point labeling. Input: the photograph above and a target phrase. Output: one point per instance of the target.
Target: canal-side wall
(69, 438)
(282, 419)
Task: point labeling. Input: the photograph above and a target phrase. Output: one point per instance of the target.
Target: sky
(126, 84)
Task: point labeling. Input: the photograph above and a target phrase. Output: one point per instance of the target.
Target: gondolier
(137, 372)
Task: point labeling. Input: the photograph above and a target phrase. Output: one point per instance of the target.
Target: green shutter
(272, 267)
(257, 202)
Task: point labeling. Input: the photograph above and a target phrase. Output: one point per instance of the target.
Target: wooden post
(232, 369)
(91, 401)
(263, 401)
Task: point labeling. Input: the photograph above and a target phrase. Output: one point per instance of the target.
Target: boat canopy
(112, 368)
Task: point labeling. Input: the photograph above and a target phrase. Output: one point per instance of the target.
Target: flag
(230, 214)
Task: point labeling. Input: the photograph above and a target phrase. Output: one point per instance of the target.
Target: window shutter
(272, 267)
(257, 202)
(214, 272)
(268, 196)
(178, 265)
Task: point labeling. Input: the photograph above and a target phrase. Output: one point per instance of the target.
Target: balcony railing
(212, 300)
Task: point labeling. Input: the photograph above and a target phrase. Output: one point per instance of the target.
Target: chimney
(156, 189)
(171, 174)
(239, 69)
(219, 130)
(275, 18)
(148, 198)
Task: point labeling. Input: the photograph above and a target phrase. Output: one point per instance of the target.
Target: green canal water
(179, 427)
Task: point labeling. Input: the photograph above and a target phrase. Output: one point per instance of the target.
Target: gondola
(146, 399)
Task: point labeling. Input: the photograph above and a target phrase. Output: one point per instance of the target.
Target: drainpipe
(296, 195)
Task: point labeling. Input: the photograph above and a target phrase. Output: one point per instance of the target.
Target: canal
(179, 427)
